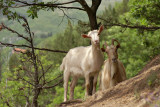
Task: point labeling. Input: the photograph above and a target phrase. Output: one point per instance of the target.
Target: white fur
(82, 62)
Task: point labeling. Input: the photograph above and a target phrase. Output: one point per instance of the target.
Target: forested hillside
(54, 22)
(134, 23)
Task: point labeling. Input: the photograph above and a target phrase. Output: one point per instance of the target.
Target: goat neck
(97, 55)
(96, 47)
(113, 67)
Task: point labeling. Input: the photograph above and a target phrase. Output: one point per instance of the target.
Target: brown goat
(113, 71)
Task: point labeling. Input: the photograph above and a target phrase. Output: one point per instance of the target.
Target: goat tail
(62, 65)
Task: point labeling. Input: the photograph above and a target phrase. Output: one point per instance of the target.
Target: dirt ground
(142, 90)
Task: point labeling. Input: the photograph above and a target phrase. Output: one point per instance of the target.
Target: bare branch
(95, 5)
(42, 49)
(65, 3)
(45, 72)
(7, 103)
(13, 31)
(27, 27)
(26, 38)
(64, 14)
(56, 5)
(151, 28)
(84, 5)
(50, 50)
(52, 85)
(26, 81)
(54, 79)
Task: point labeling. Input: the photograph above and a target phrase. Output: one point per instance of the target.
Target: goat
(113, 71)
(83, 62)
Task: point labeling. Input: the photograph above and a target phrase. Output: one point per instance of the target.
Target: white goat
(83, 62)
(113, 71)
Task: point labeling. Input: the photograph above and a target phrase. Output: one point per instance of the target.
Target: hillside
(49, 22)
(46, 25)
(142, 90)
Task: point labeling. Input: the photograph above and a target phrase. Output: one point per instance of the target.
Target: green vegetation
(153, 80)
(138, 46)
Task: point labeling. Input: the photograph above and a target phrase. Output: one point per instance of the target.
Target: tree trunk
(92, 20)
(35, 98)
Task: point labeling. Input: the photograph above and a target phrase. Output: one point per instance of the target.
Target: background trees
(128, 21)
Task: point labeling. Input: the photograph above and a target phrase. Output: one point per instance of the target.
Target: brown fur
(113, 71)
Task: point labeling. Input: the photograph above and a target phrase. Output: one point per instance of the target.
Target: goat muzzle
(96, 42)
(114, 60)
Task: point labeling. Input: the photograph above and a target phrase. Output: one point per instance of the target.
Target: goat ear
(100, 29)
(85, 36)
(103, 50)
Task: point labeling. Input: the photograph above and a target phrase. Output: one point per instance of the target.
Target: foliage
(137, 48)
(18, 91)
(64, 41)
(146, 9)
(6, 6)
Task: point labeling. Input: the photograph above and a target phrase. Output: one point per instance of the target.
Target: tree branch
(42, 49)
(7, 103)
(151, 28)
(52, 85)
(84, 5)
(54, 79)
(95, 5)
(64, 14)
(27, 81)
(13, 31)
(45, 72)
(56, 5)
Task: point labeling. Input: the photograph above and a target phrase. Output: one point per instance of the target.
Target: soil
(142, 90)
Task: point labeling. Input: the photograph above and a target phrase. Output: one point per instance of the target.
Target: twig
(45, 72)
(58, 5)
(43, 49)
(152, 28)
(52, 85)
(54, 79)
(13, 31)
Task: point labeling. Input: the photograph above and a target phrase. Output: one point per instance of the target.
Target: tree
(146, 9)
(36, 5)
(142, 15)
(36, 78)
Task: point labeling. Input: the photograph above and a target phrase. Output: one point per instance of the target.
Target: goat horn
(114, 40)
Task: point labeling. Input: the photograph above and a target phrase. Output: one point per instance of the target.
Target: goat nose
(96, 41)
(114, 59)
